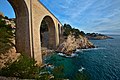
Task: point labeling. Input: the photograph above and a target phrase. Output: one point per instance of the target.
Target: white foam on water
(61, 54)
(78, 50)
(81, 69)
(64, 55)
(92, 49)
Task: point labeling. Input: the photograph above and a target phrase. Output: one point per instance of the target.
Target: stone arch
(22, 39)
(48, 33)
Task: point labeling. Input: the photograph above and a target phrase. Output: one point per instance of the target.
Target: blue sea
(101, 63)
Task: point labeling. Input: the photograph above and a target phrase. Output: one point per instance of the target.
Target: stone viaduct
(29, 17)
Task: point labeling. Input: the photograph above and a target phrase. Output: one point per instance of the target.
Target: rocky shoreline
(70, 44)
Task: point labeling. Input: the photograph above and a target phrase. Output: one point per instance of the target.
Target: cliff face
(7, 41)
(8, 57)
(70, 44)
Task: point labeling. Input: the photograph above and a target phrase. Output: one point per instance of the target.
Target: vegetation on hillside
(6, 36)
(69, 30)
(25, 68)
(94, 34)
(22, 68)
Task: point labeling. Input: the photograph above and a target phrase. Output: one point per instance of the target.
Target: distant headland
(97, 36)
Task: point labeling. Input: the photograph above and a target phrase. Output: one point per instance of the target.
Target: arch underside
(22, 38)
(48, 36)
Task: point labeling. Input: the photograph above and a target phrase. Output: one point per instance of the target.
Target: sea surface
(101, 63)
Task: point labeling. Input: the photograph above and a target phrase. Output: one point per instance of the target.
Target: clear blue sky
(101, 16)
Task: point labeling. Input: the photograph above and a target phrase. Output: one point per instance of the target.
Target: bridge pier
(29, 15)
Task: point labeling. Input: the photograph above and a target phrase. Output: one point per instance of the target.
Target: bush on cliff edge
(68, 30)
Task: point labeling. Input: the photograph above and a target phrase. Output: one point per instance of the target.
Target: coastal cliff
(7, 41)
(71, 42)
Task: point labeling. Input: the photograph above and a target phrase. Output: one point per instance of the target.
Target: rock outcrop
(70, 44)
(8, 57)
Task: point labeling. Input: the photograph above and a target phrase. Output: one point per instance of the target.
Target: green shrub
(22, 68)
(6, 37)
(69, 30)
